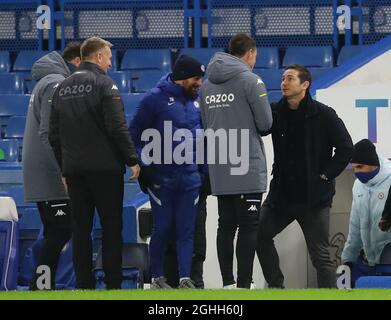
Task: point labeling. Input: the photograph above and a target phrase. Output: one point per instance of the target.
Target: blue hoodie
(367, 208)
(167, 102)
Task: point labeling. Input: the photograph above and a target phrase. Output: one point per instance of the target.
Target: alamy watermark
(44, 20)
(344, 277)
(228, 146)
(344, 17)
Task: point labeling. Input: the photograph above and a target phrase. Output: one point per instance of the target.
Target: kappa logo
(171, 101)
(114, 87)
(259, 81)
(253, 208)
(60, 213)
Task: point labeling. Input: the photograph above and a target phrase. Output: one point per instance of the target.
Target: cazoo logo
(219, 98)
(77, 89)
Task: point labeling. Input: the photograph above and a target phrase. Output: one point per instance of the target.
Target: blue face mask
(364, 177)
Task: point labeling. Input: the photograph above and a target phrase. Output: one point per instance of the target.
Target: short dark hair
(304, 73)
(72, 51)
(240, 44)
(93, 45)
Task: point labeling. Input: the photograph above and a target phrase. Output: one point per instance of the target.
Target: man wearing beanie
(173, 186)
(367, 245)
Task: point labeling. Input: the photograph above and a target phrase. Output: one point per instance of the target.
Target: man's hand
(384, 225)
(64, 181)
(135, 172)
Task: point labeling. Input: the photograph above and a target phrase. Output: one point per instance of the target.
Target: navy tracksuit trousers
(171, 207)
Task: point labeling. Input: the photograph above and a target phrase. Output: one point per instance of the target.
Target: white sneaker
(230, 286)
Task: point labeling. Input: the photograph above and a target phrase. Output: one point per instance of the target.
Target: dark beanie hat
(187, 67)
(365, 153)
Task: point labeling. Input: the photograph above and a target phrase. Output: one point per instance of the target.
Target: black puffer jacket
(88, 130)
(324, 131)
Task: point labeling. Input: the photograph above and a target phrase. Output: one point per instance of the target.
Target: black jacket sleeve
(342, 142)
(115, 124)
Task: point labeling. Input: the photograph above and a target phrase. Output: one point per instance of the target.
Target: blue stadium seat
(30, 226)
(203, 55)
(131, 102)
(309, 56)
(147, 59)
(12, 105)
(317, 73)
(274, 95)
(267, 58)
(271, 78)
(29, 85)
(373, 282)
(9, 150)
(26, 58)
(145, 80)
(9, 252)
(348, 52)
(15, 127)
(128, 119)
(122, 79)
(11, 83)
(114, 60)
(5, 61)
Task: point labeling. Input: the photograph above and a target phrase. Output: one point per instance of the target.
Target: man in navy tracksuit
(170, 109)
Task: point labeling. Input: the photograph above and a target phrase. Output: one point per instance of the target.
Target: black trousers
(238, 212)
(199, 250)
(315, 225)
(56, 219)
(103, 191)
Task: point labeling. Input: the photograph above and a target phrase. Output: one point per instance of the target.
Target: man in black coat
(91, 142)
(305, 133)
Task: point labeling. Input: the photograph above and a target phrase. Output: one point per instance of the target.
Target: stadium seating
(147, 59)
(271, 78)
(15, 127)
(309, 56)
(9, 150)
(145, 80)
(348, 52)
(267, 58)
(373, 282)
(5, 61)
(203, 55)
(317, 73)
(130, 102)
(29, 85)
(30, 226)
(274, 95)
(122, 80)
(9, 250)
(11, 83)
(114, 60)
(12, 105)
(26, 58)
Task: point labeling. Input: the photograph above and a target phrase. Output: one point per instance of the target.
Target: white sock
(180, 279)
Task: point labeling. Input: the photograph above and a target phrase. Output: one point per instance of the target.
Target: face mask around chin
(364, 177)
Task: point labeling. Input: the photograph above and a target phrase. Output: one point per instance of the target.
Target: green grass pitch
(270, 294)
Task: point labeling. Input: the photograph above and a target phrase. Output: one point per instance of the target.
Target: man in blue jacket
(170, 111)
(367, 245)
